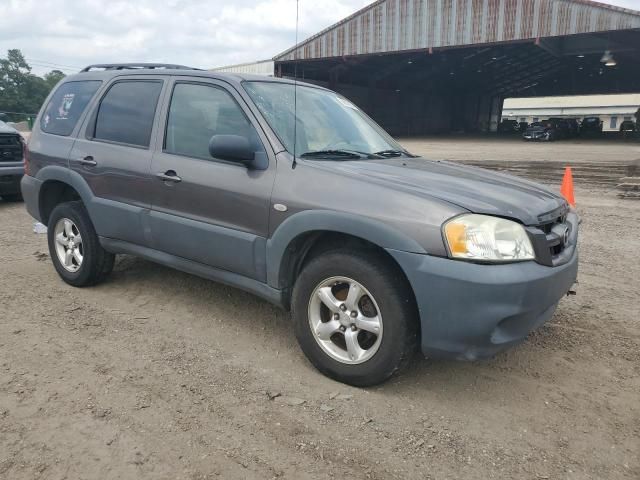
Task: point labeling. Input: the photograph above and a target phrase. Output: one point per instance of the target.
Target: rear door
(113, 154)
(215, 212)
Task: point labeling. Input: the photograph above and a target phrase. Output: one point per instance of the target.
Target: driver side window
(197, 113)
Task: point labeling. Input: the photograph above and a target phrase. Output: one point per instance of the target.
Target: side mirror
(233, 148)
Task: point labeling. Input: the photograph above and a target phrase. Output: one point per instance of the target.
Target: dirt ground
(158, 374)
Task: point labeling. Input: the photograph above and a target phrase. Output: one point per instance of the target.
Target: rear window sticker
(67, 101)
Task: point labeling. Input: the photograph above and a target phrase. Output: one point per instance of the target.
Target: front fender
(309, 221)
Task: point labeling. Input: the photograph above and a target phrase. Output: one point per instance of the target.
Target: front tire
(74, 246)
(355, 317)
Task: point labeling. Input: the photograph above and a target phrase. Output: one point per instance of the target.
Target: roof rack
(136, 66)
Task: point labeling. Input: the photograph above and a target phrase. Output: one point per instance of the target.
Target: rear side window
(66, 106)
(127, 111)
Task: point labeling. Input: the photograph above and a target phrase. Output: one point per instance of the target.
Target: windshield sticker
(63, 111)
(346, 103)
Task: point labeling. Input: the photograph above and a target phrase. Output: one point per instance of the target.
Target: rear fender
(110, 218)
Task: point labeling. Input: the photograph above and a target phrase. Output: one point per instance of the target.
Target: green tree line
(22, 92)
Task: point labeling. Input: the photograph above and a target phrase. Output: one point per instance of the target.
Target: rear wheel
(74, 247)
(355, 317)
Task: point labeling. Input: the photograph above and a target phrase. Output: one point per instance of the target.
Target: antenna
(295, 90)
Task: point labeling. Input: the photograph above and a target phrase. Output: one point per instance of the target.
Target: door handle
(88, 161)
(169, 176)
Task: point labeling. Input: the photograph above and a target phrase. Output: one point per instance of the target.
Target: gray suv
(291, 192)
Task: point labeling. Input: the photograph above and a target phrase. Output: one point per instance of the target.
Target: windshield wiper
(334, 153)
(391, 153)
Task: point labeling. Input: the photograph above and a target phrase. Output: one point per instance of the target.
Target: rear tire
(386, 297)
(74, 246)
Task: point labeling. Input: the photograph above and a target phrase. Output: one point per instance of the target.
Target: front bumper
(470, 311)
(10, 179)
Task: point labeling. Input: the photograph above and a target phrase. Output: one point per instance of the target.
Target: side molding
(194, 268)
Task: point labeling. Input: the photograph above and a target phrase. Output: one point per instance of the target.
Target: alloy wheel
(345, 320)
(68, 243)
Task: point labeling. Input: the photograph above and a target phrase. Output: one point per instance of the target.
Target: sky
(70, 34)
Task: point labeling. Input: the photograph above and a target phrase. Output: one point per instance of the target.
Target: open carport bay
(158, 374)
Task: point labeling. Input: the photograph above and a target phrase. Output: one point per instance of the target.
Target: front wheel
(355, 317)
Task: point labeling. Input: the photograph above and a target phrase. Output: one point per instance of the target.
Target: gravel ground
(158, 374)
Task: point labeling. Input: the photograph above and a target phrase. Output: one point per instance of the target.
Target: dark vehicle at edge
(11, 162)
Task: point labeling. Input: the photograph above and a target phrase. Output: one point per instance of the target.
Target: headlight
(486, 238)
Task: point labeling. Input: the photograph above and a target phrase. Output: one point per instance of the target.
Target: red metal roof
(401, 25)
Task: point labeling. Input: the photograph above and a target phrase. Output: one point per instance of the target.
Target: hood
(472, 188)
(4, 128)
(537, 128)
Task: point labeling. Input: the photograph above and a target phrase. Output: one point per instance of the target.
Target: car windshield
(328, 125)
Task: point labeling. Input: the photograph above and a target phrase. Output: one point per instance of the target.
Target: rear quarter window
(66, 106)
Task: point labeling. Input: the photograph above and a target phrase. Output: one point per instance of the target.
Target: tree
(13, 79)
(14, 65)
(20, 90)
(53, 77)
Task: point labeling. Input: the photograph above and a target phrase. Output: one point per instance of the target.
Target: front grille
(551, 238)
(10, 148)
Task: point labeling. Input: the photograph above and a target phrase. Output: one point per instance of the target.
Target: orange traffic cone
(567, 187)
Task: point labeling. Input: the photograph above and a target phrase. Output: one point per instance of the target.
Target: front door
(206, 209)
(113, 155)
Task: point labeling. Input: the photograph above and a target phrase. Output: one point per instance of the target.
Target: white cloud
(632, 4)
(201, 33)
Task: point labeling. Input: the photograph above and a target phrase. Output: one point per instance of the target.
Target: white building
(264, 67)
(612, 109)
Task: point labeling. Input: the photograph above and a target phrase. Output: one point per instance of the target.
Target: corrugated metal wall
(395, 25)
